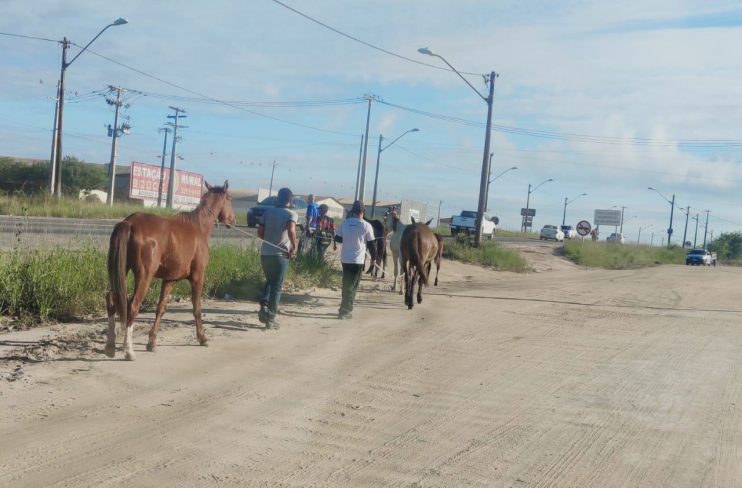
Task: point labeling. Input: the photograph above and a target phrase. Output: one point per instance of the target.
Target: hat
(358, 207)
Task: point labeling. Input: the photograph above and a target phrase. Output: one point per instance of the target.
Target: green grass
(48, 206)
(64, 284)
(621, 256)
(490, 254)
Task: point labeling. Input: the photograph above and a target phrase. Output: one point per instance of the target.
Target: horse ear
(413, 220)
(428, 222)
(226, 185)
(206, 184)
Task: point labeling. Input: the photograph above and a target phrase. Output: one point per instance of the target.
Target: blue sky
(630, 78)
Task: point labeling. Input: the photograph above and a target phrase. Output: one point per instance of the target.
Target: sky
(604, 98)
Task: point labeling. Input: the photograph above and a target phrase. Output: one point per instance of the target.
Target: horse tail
(117, 254)
(420, 261)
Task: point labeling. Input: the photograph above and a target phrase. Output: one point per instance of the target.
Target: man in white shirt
(354, 233)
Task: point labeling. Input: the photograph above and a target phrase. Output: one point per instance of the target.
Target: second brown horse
(171, 248)
(419, 249)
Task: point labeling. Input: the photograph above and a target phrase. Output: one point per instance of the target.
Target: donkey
(170, 248)
(420, 247)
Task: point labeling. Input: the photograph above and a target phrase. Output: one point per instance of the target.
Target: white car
(569, 232)
(551, 232)
(616, 237)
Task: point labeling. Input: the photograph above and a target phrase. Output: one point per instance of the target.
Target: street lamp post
(56, 165)
(638, 238)
(489, 181)
(695, 237)
(672, 208)
(378, 160)
(528, 202)
(485, 158)
(687, 216)
(564, 215)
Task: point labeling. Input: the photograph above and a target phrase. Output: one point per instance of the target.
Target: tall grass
(64, 284)
(621, 256)
(48, 206)
(489, 254)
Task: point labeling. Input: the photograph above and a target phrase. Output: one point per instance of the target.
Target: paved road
(39, 232)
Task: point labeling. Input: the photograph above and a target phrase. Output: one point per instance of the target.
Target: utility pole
(489, 180)
(60, 122)
(53, 158)
(528, 203)
(706, 228)
(175, 125)
(695, 237)
(622, 210)
(651, 241)
(438, 222)
(687, 215)
(483, 182)
(362, 182)
(270, 189)
(114, 134)
(358, 171)
(166, 130)
(669, 230)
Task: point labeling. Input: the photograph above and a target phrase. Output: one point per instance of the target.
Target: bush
(621, 256)
(488, 254)
(66, 284)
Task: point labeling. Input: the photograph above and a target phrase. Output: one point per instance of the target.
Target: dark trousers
(274, 269)
(351, 278)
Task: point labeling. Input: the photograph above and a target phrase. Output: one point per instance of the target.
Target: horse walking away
(394, 227)
(170, 248)
(420, 248)
(377, 249)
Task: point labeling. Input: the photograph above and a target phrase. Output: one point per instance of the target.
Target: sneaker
(272, 324)
(345, 316)
(263, 314)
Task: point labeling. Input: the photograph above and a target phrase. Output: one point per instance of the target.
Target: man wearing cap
(277, 229)
(354, 233)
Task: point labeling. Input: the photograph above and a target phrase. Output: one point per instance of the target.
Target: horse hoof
(151, 347)
(129, 356)
(110, 351)
(204, 342)
(419, 301)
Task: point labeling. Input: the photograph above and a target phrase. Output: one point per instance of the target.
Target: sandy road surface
(566, 378)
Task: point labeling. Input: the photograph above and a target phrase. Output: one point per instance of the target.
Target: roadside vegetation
(490, 254)
(621, 256)
(64, 284)
(728, 248)
(47, 206)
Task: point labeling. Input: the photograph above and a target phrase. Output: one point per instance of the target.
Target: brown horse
(170, 248)
(420, 248)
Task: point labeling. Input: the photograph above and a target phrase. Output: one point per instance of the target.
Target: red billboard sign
(144, 184)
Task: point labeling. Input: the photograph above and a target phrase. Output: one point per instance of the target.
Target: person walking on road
(354, 233)
(278, 231)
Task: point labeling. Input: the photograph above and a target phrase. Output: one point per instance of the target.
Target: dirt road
(567, 378)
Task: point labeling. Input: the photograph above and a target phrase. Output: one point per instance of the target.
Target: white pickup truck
(466, 223)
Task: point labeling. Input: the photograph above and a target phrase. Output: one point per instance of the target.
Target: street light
(640, 232)
(483, 185)
(672, 208)
(487, 197)
(528, 201)
(378, 159)
(55, 170)
(564, 215)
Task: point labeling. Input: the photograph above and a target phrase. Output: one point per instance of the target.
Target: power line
(28, 37)
(367, 44)
(222, 102)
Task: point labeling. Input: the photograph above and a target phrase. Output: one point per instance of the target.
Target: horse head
(218, 201)
(391, 219)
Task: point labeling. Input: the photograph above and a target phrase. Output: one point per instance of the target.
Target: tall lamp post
(489, 182)
(564, 215)
(640, 232)
(378, 160)
(528, 201)
(485, 158)
(55, 170)
(672, 208)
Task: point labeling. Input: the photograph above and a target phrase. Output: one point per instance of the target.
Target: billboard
(144, 184)
(608, 217)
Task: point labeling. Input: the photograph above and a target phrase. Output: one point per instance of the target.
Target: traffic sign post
(528, 212)
(583, 227)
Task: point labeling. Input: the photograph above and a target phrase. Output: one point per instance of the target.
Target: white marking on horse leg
(129, 344)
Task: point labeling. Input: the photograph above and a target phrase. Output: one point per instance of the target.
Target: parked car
(467, 223)
(256, 212)
(616, 238)
(551, 232)
(569, 232)
(698, 257)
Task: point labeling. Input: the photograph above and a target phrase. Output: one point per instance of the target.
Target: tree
(16, 176)
(728, 246)
(78, 175)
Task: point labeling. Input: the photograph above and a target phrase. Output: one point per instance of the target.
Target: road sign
(583, 227)
(530, 212)
(527, 221)
(607, 217)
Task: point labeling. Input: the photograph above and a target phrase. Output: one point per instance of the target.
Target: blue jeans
(274, 269)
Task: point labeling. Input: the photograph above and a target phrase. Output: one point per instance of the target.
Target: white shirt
(355, 233)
